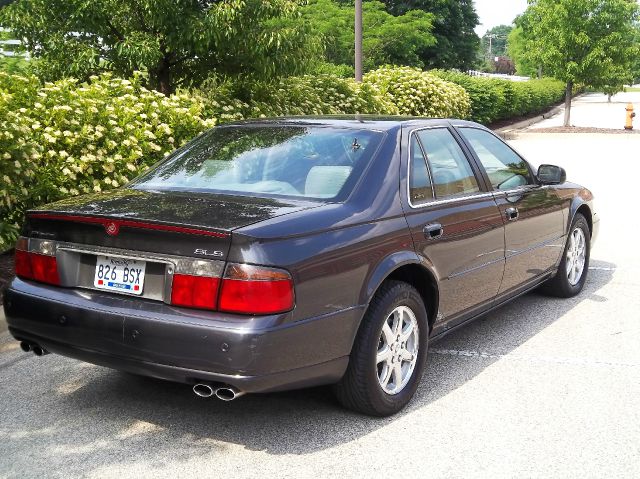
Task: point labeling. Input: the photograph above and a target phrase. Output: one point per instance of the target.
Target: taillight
(248, 289)
(23, 263)
(45, 268)
(195, 291)
(196, 283)
(39, 264)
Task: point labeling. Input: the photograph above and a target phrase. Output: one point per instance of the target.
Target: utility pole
(358, 32)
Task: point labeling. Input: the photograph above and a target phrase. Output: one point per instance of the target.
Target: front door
(533, 214)
(455, 224)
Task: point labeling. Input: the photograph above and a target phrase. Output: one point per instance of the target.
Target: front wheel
(573, 269)
(389, 354)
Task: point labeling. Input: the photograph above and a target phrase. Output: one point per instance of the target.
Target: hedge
(495, 99)
(64, 139)
(419, 93)
(306, 95)
(68, 138)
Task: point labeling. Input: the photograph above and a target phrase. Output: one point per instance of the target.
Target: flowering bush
(419, 93)
(65, 139)
(495, 99)
(306, 95)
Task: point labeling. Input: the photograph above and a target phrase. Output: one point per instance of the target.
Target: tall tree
(583, 41)
(454, 26)
(388, 39)
(494, 42)
(516, 50)
(178, 42)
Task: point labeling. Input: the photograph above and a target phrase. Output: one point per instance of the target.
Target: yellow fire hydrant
(630, 116)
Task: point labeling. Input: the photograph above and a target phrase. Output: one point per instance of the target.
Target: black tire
(359, 389)
(559, 285)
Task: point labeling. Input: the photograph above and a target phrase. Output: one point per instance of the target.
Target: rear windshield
(296, 161)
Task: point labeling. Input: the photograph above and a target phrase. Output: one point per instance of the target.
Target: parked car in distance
(278, 254)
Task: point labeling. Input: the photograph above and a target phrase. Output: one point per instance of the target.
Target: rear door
(455, 223)
(533, 214)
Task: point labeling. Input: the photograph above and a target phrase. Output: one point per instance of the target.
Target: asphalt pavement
(543, 387)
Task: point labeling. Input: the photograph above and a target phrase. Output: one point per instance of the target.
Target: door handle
(433, 231)
(512, 214)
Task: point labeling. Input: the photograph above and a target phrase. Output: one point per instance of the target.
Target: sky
(497, 12)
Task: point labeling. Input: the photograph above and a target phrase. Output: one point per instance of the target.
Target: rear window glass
(298, 161)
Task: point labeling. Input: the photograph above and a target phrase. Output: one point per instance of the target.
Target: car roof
(373, 122)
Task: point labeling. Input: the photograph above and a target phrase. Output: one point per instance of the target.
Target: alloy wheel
(397, 350)
(576, 256)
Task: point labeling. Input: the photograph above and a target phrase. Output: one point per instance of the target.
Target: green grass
(632, 89)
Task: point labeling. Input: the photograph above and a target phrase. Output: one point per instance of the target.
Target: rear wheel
(573, 269)
(389, 354)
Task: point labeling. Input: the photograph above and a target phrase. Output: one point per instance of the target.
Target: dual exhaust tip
(33, 348)
(224, 393)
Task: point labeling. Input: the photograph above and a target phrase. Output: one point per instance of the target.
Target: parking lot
(540, 388)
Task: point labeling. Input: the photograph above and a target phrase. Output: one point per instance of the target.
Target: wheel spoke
(397, 376)
(397, 323)
(406, 355)
(387, 333)
(387, 370)
(384, 354)
(407, 332)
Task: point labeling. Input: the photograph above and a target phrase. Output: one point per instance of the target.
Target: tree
(590, 42)
(454, 22)
(494, 42)
(516, 50)
(178, 43)
(388, 39)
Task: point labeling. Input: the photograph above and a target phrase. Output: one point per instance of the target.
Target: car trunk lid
(176, 223)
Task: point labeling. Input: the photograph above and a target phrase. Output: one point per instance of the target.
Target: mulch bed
(6, 270)
(580, 129)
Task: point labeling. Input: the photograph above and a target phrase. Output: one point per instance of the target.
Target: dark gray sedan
(287, 253)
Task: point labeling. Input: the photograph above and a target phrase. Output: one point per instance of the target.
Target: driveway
(540, 388)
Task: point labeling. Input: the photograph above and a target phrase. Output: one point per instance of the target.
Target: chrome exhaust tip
(25, 346)
(203, 390)
(228, 393)
(39, 351)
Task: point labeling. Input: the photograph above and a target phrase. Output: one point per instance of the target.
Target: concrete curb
(510, 132)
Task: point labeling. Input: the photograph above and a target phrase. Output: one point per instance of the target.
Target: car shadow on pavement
(74, 414)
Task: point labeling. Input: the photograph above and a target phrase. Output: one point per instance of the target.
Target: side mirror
(551, 175)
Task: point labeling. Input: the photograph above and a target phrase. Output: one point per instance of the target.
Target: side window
(506, 170)
(451, 172)
(419, 181)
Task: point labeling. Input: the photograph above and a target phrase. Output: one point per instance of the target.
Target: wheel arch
(410, 268)
(580, 206)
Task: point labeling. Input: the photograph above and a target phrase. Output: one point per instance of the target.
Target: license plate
(121, 275)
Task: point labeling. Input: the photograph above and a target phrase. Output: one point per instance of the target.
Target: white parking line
(534, 358)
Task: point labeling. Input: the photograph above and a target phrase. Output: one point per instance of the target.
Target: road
(540, 388)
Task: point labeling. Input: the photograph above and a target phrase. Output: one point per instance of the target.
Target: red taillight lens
(44, 268)
(23, 265)
(35, 266)
(195, 291)
(250, 289)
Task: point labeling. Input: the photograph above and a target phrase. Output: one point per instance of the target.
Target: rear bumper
(145, 337)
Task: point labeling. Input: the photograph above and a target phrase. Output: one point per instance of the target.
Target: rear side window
(451, 172)
(420, 188)
(506, 170)
(296, 161)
